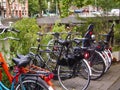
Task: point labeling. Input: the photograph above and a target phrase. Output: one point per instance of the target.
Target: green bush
(28, 33)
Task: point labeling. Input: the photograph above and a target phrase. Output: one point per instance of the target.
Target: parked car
(97, 13)
(115, 12)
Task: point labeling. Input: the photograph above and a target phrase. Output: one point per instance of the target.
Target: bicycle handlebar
(9, 29)
(57, 33)
(12, 38)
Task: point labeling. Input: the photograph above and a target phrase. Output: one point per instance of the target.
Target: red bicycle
(27, 76)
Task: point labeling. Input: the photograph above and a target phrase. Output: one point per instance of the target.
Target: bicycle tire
(98, 67)
(33, 83)
(77, 82)
(53, 55)
(108, 59)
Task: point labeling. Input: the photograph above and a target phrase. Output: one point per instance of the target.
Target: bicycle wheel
(33, 83)
(97, 66)
(108, 59)
(55, 48)
(71, 78)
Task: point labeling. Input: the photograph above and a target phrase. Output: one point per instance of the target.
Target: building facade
(13, 9)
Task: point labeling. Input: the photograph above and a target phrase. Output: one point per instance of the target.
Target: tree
(33, 7)
(8, 10)
(67, 3)
(37, 7)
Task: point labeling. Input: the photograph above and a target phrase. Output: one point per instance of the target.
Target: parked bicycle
(70, 70)
(26, 77)
(54, 46)
(102, 47)
(99, 65)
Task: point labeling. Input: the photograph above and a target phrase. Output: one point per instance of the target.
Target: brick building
(17, 9)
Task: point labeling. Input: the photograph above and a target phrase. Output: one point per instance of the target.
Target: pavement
(109, 81)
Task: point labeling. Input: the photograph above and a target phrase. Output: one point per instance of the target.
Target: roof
(2, 26)
(53, 20)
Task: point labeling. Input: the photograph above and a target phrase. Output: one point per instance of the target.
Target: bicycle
(107, 44)
(79, 67)
(54, 46)
(94, 59)
(91, 53)
(23, 76)
(101, 47)
(31, 79)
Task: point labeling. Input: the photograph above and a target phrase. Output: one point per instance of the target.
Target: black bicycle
(70, 66)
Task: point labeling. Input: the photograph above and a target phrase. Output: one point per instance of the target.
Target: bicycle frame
(3, 87)
(20, 73)
(5, 68)
(11, 78)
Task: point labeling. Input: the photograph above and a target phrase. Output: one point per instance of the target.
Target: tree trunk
(8, 10)
(58, 3)
(40, 7)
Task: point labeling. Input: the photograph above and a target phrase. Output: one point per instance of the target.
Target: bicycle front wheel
(33, 83)
(73, 78)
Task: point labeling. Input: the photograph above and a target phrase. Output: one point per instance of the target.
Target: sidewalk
(109, 81)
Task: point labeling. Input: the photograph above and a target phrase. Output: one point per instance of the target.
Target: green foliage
(58, 28)
(53, 7)
(106, 5)
(64, 7)
(78, 3)
(28, 28)
(116, 48)
(5, 80)
(5, 45)
(117, 34)
(99, 25)
(33, 7)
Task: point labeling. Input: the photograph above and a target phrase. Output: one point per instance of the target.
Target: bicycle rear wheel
(33, 83)
(97, 66)
(72, 78)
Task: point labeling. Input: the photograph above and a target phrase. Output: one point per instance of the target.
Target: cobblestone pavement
(109, 81)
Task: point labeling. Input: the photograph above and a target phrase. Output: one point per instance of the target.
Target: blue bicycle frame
(3, 87)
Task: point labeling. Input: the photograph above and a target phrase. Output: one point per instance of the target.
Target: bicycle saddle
(78, 40)
(22, 61)
(20, 56)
